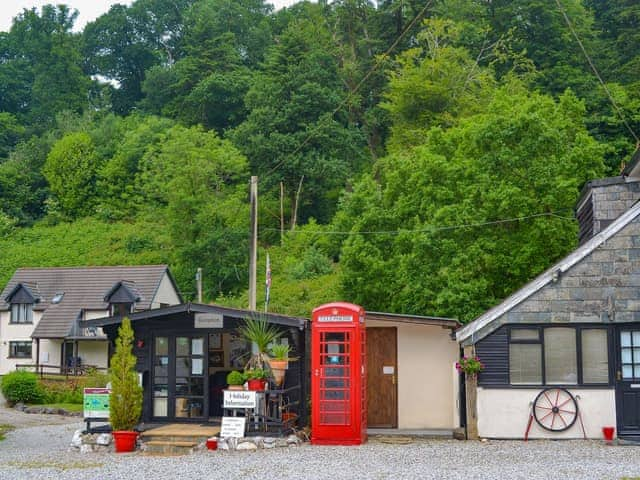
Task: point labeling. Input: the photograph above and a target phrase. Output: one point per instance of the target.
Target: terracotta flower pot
(278, 368)
(235, 387)
(124, 440)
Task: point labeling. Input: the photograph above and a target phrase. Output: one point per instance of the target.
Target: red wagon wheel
(555, 409)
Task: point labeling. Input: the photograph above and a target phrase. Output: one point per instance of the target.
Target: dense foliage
(392, 139)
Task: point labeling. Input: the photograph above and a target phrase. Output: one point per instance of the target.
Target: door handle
(393, 379)
(618, 375)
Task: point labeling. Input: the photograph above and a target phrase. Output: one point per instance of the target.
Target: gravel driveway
(42, 452)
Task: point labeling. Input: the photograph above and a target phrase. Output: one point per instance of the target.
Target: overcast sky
(89, 9)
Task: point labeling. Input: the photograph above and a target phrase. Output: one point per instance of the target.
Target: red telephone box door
(337, 378)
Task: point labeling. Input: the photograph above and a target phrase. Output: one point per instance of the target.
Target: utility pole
(281, 212)
(199, 284)
(253, 245)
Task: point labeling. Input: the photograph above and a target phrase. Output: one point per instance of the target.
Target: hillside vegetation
(425, 154)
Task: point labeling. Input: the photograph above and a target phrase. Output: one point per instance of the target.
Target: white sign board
(239, 399)
(388, 370)
(232, 427)
(208, 320)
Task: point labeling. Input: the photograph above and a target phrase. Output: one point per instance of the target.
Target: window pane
(182, 346)
(625, 339)
(162, 346)
(595, 359)
(197, 346)
(525, 364)
(560, 356)
(525, 334)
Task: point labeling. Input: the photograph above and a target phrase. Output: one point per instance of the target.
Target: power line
(597, 74)
(359, 85)
(433, 229)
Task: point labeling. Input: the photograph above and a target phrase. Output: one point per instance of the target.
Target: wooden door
(628, 382)
(382, 372)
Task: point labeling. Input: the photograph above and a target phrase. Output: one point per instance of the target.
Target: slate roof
(84, 289)
(476, 330)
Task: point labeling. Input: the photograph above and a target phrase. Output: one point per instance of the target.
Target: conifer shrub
(125, 403)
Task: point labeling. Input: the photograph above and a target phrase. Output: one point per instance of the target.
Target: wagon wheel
(555, 409)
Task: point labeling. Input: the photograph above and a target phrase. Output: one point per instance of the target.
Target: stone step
(169, 447)
(173, 438)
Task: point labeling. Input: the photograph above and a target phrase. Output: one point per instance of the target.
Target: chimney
(604, 200)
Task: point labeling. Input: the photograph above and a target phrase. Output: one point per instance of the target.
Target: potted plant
(279, 362)
(125, 403)
(260, 333)
(256, 379)
(235, 380)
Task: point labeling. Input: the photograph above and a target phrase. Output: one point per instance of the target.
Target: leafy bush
(235, 378)
(61, 391)
(21, 386)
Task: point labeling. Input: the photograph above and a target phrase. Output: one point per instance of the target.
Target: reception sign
(96, 403)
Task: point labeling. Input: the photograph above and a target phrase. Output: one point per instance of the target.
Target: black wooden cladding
(493, 352)
(585, 221)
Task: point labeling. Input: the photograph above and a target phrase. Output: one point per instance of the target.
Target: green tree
(291, 132)
(223, 41)
(525, 157)
(71, 170)
(125, 42)
(43, 44)
(196, 182)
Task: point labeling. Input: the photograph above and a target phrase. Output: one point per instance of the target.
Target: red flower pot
(124, 440)
(256, 385)
(608, 432)
(212, 443)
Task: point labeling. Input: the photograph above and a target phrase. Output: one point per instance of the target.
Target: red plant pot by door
(124, 441)
(608, 432)
(256, 385)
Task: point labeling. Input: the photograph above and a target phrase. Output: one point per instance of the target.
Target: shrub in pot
(125, 404)
(235, 380)
(256, 378)
(260, 333)
(279, 362)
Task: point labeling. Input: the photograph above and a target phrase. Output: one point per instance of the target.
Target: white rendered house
(40, 311)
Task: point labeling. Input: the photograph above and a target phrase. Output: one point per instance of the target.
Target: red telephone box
(338, 376)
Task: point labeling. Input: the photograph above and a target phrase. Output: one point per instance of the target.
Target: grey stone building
(562, 354)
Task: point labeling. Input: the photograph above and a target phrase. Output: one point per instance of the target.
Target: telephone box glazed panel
(338, 376)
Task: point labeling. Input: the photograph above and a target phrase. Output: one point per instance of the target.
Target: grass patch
(57, 465)
(4, 429)
(69, 407)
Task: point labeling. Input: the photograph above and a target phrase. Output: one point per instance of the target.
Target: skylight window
(57, 298)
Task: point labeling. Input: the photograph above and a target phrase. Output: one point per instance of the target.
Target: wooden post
(294, 215)
(253, 244)
(281, 212)
(199, 284)
(38, 356)
(75, 358)
(471, 388)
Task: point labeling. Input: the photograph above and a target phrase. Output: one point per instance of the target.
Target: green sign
(96, 403)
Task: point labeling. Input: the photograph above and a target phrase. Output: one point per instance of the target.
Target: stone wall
(604, 287)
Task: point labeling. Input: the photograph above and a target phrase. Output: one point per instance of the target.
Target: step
(165, 447)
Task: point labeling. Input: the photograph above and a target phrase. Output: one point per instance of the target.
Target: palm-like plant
(261, 333)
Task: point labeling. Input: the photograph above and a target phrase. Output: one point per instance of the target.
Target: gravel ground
(43, 452)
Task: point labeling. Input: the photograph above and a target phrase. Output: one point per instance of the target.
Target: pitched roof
(471, 329)
(84, 288)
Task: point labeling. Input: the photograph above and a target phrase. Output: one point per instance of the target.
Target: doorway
(382, 374)
(627, 380)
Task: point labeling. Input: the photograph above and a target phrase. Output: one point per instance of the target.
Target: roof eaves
(547, 276)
